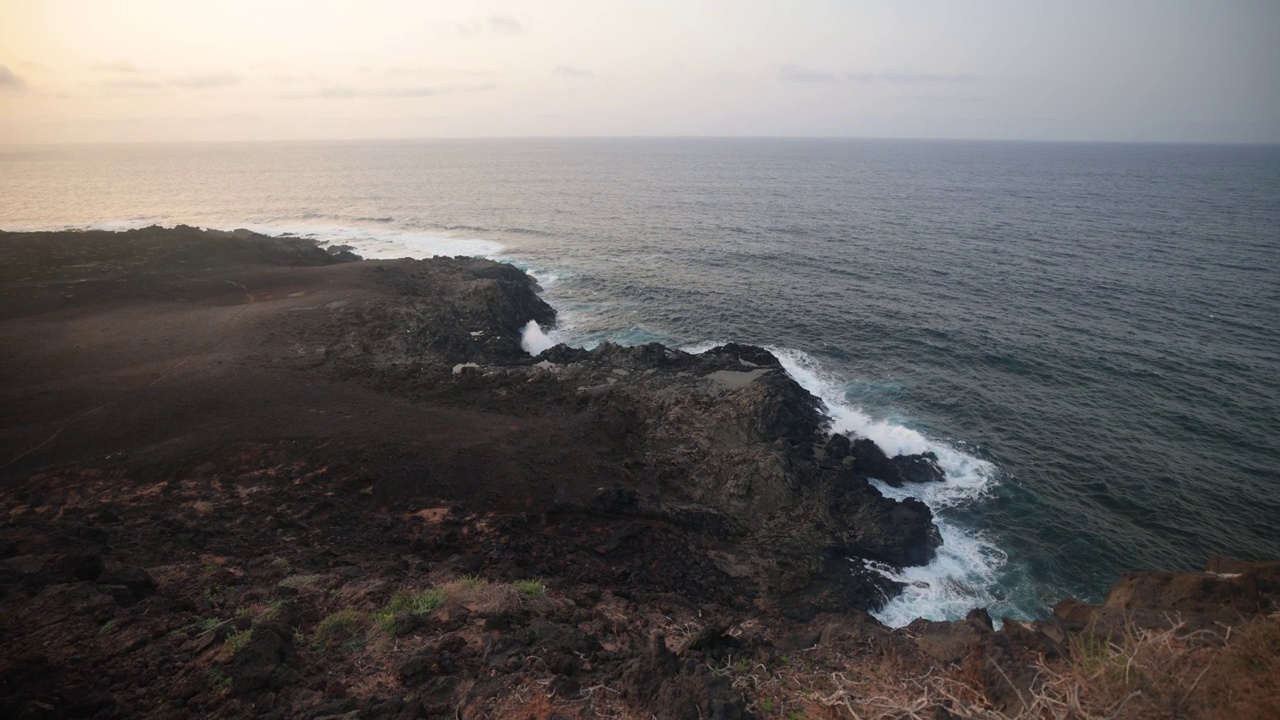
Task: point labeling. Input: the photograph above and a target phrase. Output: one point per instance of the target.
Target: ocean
(1088, 335)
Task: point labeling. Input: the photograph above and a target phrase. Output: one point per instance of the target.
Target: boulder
(37, 571)
(949, 642)
(869, 460)
(900, 533)
(134, 578)
(920, 468)
(838, 447)
(1185, 592)
(261, 663)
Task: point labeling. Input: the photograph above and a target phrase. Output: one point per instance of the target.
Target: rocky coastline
(249, 476)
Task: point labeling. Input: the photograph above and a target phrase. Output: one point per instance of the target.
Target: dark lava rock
(869, 460)
(920, 468)
(656, 683)
(40, 570)
(134, 578)
(713, 641)
(952, 641)
(899, 533)
(798, 641)
(418, 664)
(642, 676)
(57, 603)
(1228, 592)
(1185, 592)
(838, 446)
(261, 663)
(546, 635)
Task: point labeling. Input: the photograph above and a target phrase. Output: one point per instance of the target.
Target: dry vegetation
(1227, 673)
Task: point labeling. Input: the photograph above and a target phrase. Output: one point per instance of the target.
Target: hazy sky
(96, 70)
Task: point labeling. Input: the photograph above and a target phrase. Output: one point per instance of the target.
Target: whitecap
(965, 572)
(374, 243)
(533, 340)
(385, 243)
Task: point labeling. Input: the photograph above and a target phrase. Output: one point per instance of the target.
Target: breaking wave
(533, 340)
(966, 572)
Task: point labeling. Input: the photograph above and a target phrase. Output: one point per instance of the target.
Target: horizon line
(456, 138)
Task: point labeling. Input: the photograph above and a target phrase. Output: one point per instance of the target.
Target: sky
(179, 70)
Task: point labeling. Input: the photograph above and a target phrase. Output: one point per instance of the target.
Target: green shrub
(299, 581)
(236, 641)
(219, 681)
(273, 609)
(411, 603)
(530, 588)
(471, 582)
(341, 627)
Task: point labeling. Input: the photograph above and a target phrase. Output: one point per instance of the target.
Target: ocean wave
(384, 243)
(526, 231)
(374, 243)
(534, 340)
(546, 278)
(109, 225)
(966, 572)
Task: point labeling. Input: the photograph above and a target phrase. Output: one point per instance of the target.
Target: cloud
(296, 78)
(494, 24)
(134, 84)
(573, 72)
(422, 70)
(800, 74)
(796, 73)
(205, 80)
(346, 92)
(947, 98)
(194, 81)
(725, 77)
(505, 25)
(910, 78)
(10, 80)
(119, 66)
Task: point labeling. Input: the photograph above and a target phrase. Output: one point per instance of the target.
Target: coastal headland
(250, 476)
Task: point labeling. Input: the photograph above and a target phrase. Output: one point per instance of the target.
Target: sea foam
(533, 340)
(374, 243)
(385, 243)
(965, 573)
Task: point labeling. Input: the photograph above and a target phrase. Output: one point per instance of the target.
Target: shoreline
(202, 418)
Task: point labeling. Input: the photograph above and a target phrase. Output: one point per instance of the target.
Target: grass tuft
(273, 609)
(411, 603)
(299, 581)
(532, 588)
(342, 627)
(236, 641)
(219, 681)
(472, 582)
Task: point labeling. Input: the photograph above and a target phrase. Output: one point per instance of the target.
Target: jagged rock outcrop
(866, 458)
(1224, 592)
(724, 443)
(1196, 607)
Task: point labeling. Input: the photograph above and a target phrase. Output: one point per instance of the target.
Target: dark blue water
(1088, 334)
